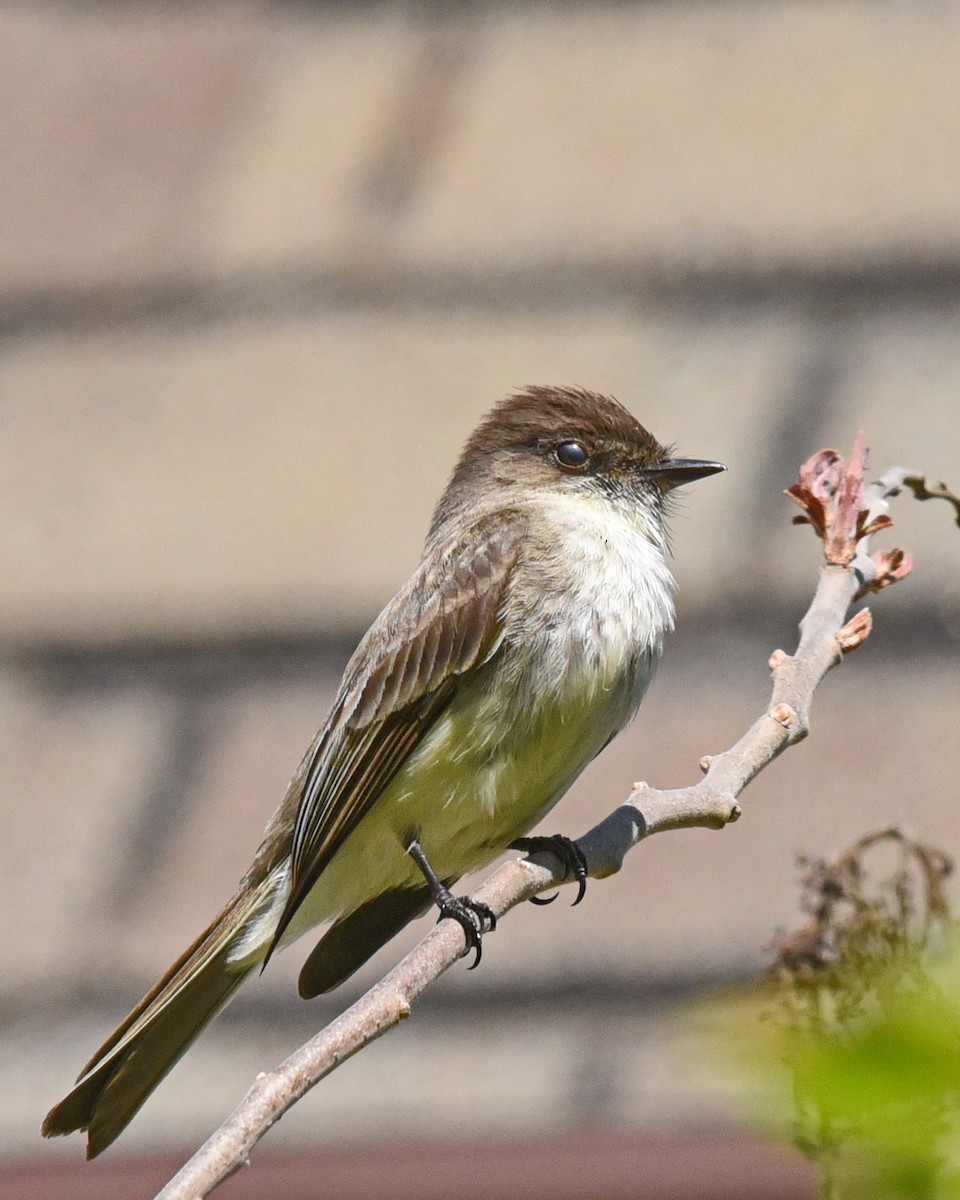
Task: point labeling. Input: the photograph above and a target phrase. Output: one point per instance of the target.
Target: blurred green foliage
(863, 1009)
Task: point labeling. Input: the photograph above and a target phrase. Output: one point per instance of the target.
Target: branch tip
(777, 659)
(705, 763)
(844, 512)
(922, 490)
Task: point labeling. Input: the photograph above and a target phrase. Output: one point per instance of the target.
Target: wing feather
(445, 621)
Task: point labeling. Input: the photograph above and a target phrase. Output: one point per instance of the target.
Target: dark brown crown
(538, 415)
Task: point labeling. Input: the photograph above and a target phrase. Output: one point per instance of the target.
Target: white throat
(618, 595)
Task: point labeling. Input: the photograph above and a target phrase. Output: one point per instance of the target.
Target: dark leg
(569, 853)
(470, 915)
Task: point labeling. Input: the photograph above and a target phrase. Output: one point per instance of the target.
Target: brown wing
(445, 621)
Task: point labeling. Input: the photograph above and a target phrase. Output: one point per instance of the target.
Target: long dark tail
(137, 1055)
(351, 940)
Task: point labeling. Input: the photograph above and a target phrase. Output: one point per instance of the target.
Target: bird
(522, 643)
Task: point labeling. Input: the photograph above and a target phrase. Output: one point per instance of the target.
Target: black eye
(572, 455)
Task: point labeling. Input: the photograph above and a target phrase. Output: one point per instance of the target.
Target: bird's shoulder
(445, 620)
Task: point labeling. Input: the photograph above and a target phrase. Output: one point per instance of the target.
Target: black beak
(675, 472)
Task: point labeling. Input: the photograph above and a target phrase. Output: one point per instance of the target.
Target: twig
(844, 513)
(937, 491)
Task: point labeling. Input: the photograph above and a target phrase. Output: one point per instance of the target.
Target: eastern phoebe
(522, 643)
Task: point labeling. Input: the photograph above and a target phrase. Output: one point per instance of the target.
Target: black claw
(470, 915)
(569, 853)
(543, 900)
(580, 872)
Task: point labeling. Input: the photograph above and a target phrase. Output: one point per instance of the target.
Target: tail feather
(351, 940)
(140, 1052)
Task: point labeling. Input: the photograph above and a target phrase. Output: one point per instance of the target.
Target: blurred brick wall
(261, 268)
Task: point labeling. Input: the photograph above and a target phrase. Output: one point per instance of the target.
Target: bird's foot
(569, 853)
(473, 916)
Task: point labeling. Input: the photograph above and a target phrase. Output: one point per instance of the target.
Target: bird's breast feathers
(568, 674)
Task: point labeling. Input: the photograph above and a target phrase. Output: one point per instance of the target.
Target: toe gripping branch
(471, 915)
(569, 853)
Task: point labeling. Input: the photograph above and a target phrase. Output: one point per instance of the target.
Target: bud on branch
(835, 502)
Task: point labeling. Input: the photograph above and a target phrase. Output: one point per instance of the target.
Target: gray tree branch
(844, 512)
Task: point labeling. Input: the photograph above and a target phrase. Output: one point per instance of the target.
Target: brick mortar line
(213, 663)
(589, 992)
(543, 287)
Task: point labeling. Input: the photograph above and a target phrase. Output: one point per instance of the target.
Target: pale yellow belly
(487, 773)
